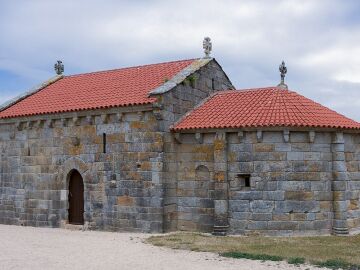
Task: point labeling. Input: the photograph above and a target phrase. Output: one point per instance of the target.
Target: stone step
(73, 227)
(220, 230)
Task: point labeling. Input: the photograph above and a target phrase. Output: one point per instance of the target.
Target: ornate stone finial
(59, 67)
(207, 45)
(283, 71)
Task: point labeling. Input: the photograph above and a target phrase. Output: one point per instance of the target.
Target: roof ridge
(131, 67)
(181, 76)
(262, 89)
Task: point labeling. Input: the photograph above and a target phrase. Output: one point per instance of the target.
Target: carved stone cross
(283, 71)
(207, 45)
(59, 67)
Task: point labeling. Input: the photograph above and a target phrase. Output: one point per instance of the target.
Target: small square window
(244, 180)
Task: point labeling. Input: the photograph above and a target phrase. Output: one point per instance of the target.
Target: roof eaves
(31, 92)
(181, 76)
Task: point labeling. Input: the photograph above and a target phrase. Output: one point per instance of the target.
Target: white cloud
(317, 39)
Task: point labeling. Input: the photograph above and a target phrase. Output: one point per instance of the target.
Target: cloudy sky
(318, 39)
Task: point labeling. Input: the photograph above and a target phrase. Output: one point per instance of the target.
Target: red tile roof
(104, 89)
(263, 107)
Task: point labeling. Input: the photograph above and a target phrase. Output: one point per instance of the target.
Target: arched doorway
(76, 198)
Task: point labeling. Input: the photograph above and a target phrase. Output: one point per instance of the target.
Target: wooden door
(76, 199)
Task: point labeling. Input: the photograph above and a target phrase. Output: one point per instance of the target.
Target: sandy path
(43, 248)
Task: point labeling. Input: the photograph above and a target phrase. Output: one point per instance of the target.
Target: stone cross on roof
(59, 67)
(207, 45)
(283, 71)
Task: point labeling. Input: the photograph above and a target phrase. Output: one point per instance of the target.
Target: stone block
(283, 225)
(272, 137)
(300, 147)
(277, 156)
(239, 206)
(125, 201)
(339, 166)
(219, 176)
(296, 206)
(261, 206)
(295, 186)
(299, 195)
(281, 217)
(295, 156)
(323, 195)
(312, 156)
(339, 195)
(339, 185)
(320, 147)
(240, 215)
(263, 147)
(221, 207)
(261, 216)
(257, 225)
(340, 205)
(298, 137)
(277, 195)
(282, 147)
(246, 195)
(337, 147)
(298, 216)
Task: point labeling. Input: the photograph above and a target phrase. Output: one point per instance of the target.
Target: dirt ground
(44, 248)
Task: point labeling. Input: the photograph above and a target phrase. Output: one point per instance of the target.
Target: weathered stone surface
(255, 181)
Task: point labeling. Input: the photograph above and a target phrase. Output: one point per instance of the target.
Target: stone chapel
(173, 146)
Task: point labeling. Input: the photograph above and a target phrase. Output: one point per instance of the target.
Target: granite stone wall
(175, 104)
(298, 184)
(352, 157)
(122, 189)
(290, 183)
(130, 186)
(195, 184)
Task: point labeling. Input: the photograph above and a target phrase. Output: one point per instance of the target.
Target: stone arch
(202, 173)
(77, 164)
(70, 165)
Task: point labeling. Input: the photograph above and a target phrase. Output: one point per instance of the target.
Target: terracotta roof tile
(104, 89)
(262, 107)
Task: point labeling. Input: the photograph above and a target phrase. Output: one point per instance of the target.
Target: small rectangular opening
(104, 143)
(213, 84)
(247, 181)
(244, 180)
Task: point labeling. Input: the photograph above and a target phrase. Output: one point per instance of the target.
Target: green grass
(296, 260)
(261, 257)
(326, 251)
(337, 264)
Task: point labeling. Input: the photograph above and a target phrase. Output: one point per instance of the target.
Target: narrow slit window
(213, 84)
(104, 143)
